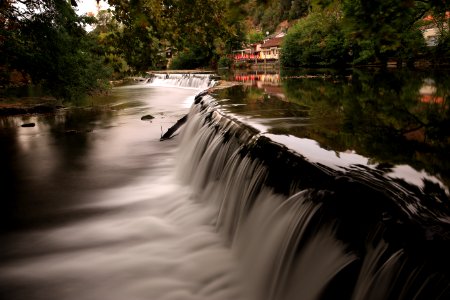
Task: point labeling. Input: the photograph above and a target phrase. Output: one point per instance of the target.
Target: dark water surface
(396, 118)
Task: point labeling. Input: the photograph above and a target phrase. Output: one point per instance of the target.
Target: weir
(302, 229)
(186, 80)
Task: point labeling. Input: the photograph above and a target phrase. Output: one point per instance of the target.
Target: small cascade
(302, 230)
(187, 80)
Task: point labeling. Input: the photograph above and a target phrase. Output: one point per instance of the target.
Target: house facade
(268, 50)
(431, 32)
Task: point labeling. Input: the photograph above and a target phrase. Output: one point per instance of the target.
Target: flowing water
(232, 208)
(92, 210)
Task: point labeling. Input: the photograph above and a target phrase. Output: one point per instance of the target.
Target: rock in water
(147, 117)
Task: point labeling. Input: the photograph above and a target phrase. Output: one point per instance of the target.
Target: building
(268, 50)
(271, 48)
(242, 54)
(432, 31)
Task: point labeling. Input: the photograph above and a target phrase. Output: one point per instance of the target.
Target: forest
(45, 42)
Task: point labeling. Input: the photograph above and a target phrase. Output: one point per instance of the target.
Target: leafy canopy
(198, 29)
(315, 40)
(47, 41)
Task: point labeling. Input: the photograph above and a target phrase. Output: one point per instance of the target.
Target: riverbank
(28, 105)
(20, 103)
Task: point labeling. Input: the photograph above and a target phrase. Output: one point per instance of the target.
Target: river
(91, 210)
(287, 186)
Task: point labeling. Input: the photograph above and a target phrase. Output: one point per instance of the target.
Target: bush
(52, 47)
(190, 59)
(255, 37)
(316, 40)
(225, 62)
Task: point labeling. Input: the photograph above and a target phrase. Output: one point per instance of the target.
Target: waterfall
(302, 230)
(187, 80)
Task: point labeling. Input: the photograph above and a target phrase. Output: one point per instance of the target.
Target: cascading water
(188, 80)
(304, 230)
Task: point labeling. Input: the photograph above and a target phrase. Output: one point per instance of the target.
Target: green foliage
(267, 15)
(363, 52)
(298, 9)
(255, 37)
(383, 29)
(242, 65)
(150, 26)
(371, 31)
(413, 46)
(316, 40)
(51, 46)
(232, 26)
(109, 35)
(140, 38)
(118, 64)
(271, 17)
(225, 62)
(190, 59)
(441, 53)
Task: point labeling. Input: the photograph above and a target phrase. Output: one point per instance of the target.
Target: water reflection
(45, 161)
(389, 117)
(268, 82)
(97, 146)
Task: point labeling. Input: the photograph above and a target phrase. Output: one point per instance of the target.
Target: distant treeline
(369, 32)
(48, 43)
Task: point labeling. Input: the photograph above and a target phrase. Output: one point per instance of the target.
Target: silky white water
(123, 227)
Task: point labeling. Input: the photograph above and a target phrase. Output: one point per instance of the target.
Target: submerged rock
(147, 117)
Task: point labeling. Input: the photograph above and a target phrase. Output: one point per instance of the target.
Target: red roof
(431, 18)
(275, 42)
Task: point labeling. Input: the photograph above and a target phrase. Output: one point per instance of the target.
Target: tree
(205, 29)
(380, 29)
(285, 7)
(255, 37)
(299, 8)
(316, 40)
(141, 37)
(272, 16)
(108, 33)
(198, 30)
(47, 41)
